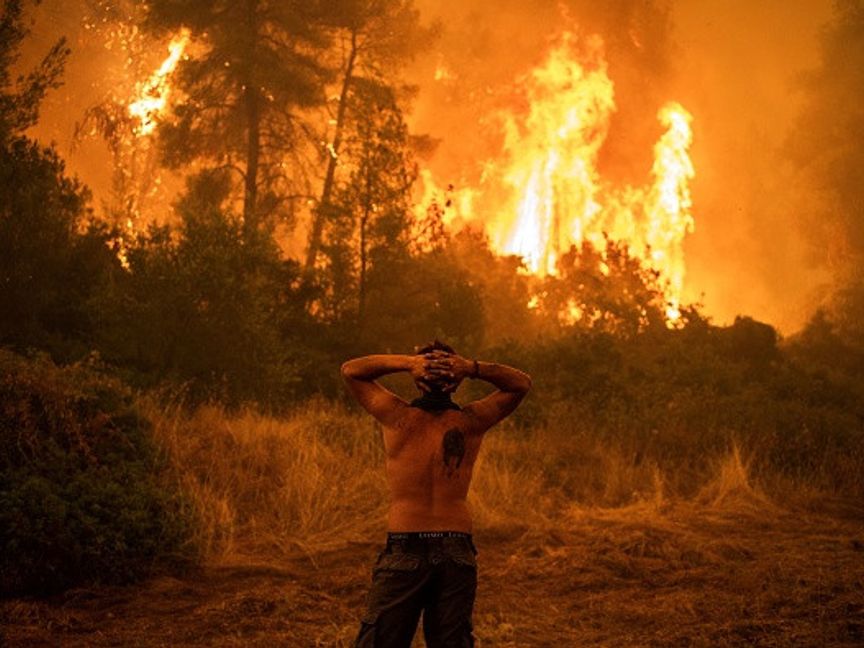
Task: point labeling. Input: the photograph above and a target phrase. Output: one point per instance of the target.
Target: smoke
(827, 145)
(740, 75)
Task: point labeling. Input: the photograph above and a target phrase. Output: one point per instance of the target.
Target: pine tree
(375, 39)
(21, 97)
(254, 63)
(372, 206)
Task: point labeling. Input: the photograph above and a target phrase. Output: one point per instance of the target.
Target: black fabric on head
(435, 402)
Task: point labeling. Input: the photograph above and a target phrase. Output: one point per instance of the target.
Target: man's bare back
(430, 459)
(431, 452)
(428, 565)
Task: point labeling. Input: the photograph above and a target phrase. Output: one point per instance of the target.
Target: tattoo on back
(454, 450)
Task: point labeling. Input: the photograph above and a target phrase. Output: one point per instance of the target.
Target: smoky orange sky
(734, 64)
(740, 76)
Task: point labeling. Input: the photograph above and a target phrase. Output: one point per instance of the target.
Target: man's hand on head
(448, 370)
(457, 367)
(428, 372)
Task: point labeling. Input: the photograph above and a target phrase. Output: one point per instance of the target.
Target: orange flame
(552, 173)
(545, 191)
(669, 203)
(153, 94)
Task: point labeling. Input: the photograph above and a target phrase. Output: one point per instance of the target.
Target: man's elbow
(519, 384)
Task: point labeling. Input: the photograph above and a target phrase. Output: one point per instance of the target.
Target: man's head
(434, 345)
(435, 385)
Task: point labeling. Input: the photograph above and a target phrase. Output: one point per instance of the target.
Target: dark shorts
(430, 573)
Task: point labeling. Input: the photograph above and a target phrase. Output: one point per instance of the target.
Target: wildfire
(545, 191)
(152, 95)
(669, 218)
(551, 173)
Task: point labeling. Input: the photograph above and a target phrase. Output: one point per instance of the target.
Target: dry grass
(579, 545)
(264, 486)
(261, 486)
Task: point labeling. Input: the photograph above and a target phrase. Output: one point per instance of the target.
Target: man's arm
(360, 375)
(512, 386)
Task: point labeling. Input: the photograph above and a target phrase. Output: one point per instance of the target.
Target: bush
(81, 499)
(679, 397)
(206, 307)
(55, 259)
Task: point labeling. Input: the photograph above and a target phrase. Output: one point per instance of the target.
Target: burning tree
(127, 117)
(252, 66)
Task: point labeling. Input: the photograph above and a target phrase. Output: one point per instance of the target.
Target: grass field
(580, 544)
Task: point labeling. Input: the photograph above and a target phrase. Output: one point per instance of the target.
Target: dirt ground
(735, 574)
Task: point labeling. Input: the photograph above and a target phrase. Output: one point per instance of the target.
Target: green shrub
(80, 494)
(682, 397)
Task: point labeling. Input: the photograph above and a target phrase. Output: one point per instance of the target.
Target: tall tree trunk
(253, 150)
(321, 212)
(251, 100)
(364, 223)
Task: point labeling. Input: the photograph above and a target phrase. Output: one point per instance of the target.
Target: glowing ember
(545, 191)
(153, 94)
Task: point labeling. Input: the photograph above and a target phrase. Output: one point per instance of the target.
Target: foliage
(20, 99)
(254, 65)
(53, 259)
(691, 391)
(206, 306)
(80, 498)
(830, 346)
(603, 290)
(433, 298)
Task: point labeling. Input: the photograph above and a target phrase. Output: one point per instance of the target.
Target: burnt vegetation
(210, 311)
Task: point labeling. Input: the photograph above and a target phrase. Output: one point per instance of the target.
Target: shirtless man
(431, 444)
